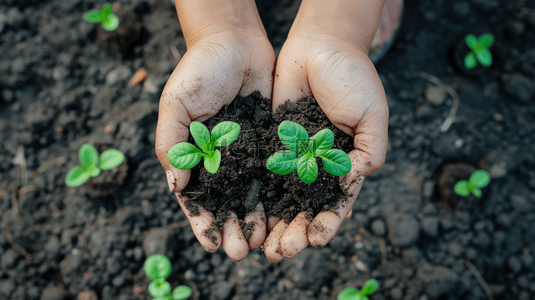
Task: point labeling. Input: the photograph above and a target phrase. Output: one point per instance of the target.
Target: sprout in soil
(303, 152)
(109, 20)
(478, 180)
(92, 164)
(480, 50)
(352, 293)
(157, 268)
(185, 156)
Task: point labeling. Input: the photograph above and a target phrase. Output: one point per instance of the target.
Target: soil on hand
(243, 179)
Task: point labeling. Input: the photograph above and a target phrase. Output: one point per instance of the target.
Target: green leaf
(157, 266)
(477, 192)
(225, 133)
(159, 288)
(283, 162)
(370, 286)
(471, 41)
(336, 162)
(106, 11)
(211, 163)
(110, 23)
(307, 169)
(321, 142)
(110, 159)
(484, 57)
(201, 135)
(461, 188)
(486, 40)
(92, 16)
(181, 292)
(92, 170)
(184, 156)
(293, 135)
(88, 155)
(349, 293)
(76, 176)
(470, 61)
(480, 178)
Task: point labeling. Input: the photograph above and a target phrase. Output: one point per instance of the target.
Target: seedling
(92, 164)
(157, 268)
(478, 180)
(109, 20)
(303, 151)
(185, 156)
(480, 50)
(351, 293)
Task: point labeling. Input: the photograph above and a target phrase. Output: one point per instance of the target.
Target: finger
(272, 247)
(349, 214)
(258, 231)
(272, 221)
(291, 80)
(295, 239)
(234, 242)
(326, 223)
(207, 234)
(259, 76)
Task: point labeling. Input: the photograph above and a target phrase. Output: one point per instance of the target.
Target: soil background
(59, 89)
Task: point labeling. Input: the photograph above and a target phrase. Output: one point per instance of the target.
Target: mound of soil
(243, 178)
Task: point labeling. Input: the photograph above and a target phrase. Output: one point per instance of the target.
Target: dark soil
(59, 89)
(243, 178)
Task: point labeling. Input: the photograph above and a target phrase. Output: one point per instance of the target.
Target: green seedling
(480, 50)
(92, 164)
(109, 20)
(157, 268)
(303, 151)
(478, 180)
(351, 293)
(185, 156)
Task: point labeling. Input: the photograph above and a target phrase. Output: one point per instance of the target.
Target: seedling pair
(185, 156)
(157, 268)
(303, 151)
(370, 286)
(478, 180)
(480, 50)
(92, 164)
(109, 20)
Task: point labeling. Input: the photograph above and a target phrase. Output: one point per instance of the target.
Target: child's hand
(347, 87)
(215, 69)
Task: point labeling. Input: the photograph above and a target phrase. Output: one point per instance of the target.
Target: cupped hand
(214, 70)
(346, 85)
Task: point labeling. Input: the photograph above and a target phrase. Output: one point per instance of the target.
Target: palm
(210, 75)
(348, 89)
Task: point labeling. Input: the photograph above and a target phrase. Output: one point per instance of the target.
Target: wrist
(201, 18)
(352, 21)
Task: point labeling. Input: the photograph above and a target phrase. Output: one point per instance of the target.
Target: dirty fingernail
(170, 180)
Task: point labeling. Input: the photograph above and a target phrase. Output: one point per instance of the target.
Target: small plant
(480, 50)
(92, 164)
(185, 156)
(303, 151)
(478, 180)
(157, 268)
(109, 20)
(351, 293)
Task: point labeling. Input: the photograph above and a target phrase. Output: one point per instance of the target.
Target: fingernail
(170, 180)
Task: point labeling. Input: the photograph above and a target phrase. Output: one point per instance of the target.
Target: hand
(347, 87)
(215, 69)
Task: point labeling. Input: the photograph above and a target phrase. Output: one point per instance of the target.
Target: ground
(59, 89)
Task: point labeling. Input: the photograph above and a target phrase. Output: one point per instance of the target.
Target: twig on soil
(480, 279)
(451, 91)
(54, 161)
(178, 225)
(196, 193)
(16, 246)
(175, 52)
(382, 246)
(15, 206)
(21, 161)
